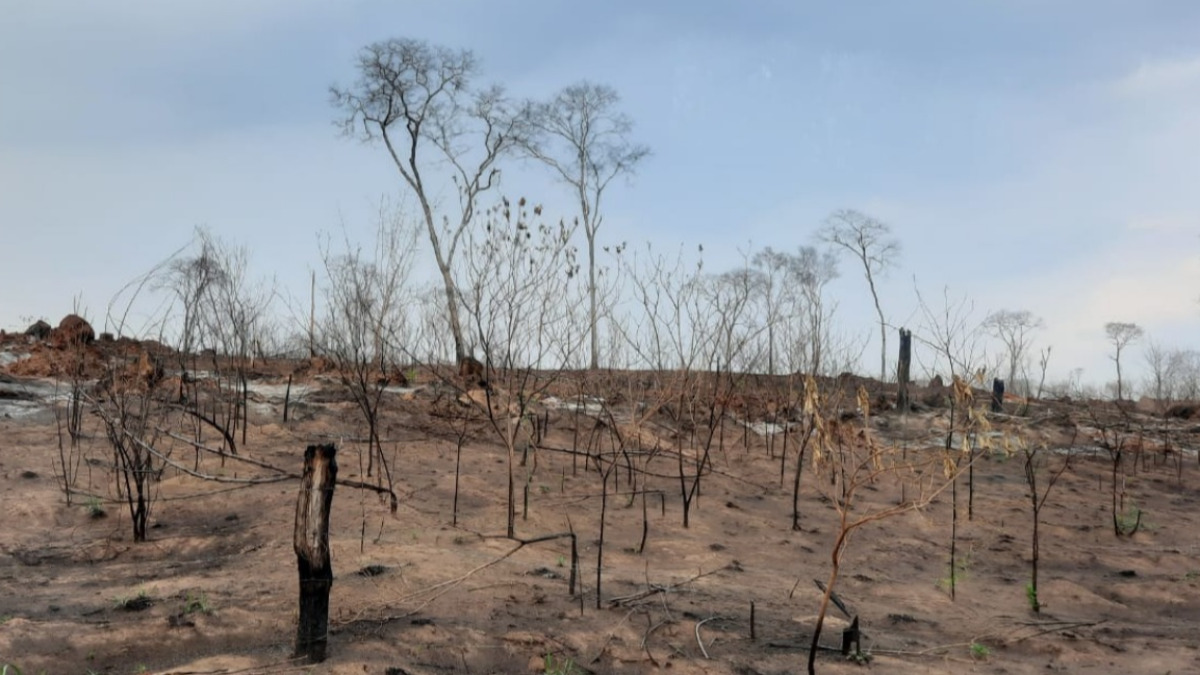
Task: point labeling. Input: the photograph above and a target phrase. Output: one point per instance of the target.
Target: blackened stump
(903, 366)
(311, 542)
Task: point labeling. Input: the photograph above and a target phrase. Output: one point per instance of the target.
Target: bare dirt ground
(214, 590)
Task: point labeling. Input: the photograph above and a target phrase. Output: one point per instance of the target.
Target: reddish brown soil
(451, 599)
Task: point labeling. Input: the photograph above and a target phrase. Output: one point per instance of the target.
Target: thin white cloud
(1169, 223)
(1161, 76)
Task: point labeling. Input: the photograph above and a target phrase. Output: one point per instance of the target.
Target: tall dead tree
(419, 99)
(871, 242)
(584, 140)
(1014, 328)
(1121, 335)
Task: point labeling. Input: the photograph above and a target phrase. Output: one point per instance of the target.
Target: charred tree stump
(287, 399)
(997, 395)
(903, 367)
(852, 639)
(311, 541)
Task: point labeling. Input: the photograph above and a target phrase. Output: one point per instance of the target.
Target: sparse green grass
(95, 508)
(958, 575)
(860, 657)
(980, 651)
(1129, 521)
(135, 602)
(1032, 597)
(196, 602)
(565, 666)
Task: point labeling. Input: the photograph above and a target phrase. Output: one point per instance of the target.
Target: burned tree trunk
(311, 541)
(997, 395)
(902, 370)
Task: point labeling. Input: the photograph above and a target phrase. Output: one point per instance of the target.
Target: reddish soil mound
(47, 361)
(73, 330)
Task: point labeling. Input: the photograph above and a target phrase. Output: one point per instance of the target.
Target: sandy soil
(214, 590)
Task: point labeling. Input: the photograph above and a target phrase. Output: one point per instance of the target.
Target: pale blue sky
(1038, 155)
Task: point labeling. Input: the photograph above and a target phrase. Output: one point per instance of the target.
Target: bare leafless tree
(367, 299)
(190, 279)
(952, 331)
(662, 327)
(811, 271)
(512, 280)
(732, 327)
(232, 311)
(1158, 360)
(1184, 369)
(582, 137)
(794, 309)
(870, 241)
(773, 265)
(1121, 335)
(1015, 329)
(420, 100)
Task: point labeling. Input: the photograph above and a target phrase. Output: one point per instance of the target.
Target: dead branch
(699, 640)
(656, 589)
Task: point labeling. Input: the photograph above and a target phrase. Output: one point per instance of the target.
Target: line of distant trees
(606, 305)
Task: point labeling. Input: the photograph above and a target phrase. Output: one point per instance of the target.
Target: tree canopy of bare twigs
(1121, 335)
(515, 282)
(870, 241)
(584, 139)
(794, 308)
(1174, 373)
(1015, 329)
(663, 324)
(421, 101)
(365, 327)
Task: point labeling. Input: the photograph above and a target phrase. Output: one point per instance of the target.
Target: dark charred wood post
(902, 370)
(311, 541)
(287, 399)
(997, 395)
(852, 639)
